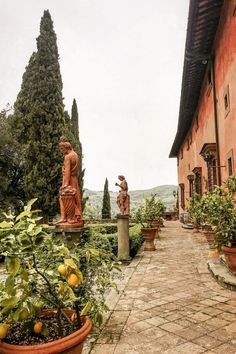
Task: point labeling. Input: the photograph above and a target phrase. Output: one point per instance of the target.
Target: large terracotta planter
(156, 224)
(210, 237)
(149, 236)
(230, 257)
(72, 344)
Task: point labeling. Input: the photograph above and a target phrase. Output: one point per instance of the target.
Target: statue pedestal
(70, 236)
(123, 237)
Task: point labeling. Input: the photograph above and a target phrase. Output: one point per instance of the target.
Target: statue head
(65, 147)
(121, 177)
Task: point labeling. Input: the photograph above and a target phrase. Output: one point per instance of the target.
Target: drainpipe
(216, 121)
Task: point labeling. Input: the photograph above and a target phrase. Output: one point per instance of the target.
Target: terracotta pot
(195, 230)
(72, 344)
(156, 225)
(149, 235)
(210, 236)
(230, 257)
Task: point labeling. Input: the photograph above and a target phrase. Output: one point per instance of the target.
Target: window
(230, 163)
(190, 139)
(191, 191)
(182, 198)
(197, 184)
(188, 145)
(196, 122)
(230, 166)
(208, 152)
(226, 101)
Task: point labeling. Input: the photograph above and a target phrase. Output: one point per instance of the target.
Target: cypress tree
(11, 182)
(106, 203)
(75, 119)
(44, 117)
(19, 120)
(78, 149)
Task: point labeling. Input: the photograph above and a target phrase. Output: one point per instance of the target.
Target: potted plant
(195, 212)
(145, 215)
(158, 221)
(49, 291)
(221, 214)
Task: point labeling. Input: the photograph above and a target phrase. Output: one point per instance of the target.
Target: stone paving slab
(170, 302)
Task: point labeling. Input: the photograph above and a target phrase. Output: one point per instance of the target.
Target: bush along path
(171, 303)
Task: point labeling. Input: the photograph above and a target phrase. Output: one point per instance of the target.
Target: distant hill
(165, 193)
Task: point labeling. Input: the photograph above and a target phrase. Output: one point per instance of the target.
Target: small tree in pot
(146, 215)
(221, 214)
(49, 290)
(195, 212)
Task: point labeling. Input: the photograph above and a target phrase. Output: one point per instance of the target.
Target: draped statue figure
(123, 198)
(70, 197)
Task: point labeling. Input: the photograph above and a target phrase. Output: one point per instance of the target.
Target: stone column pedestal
(123, 237)
(70, 236)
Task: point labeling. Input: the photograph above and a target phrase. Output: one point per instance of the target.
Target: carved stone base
(70, 236)
(66, 225)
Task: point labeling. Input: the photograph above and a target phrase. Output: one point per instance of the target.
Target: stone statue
(70, 198)
(123, 198)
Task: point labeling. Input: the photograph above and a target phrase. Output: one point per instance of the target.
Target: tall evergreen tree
(11, 182)
(44, 118)
(106, 203)
(75, 119)
(78, 148)
(19, 120)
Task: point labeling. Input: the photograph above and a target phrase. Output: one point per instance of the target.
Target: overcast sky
(122, 61)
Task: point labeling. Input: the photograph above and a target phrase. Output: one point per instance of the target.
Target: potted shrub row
(216, 212)
(51, 295)
(149, 215)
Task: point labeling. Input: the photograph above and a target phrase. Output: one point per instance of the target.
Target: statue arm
(67, 171)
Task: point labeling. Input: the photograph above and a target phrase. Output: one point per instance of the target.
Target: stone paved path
(171, 304)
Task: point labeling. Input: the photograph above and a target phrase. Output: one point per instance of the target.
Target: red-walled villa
(205, 142)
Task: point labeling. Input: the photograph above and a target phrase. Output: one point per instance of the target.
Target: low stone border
(221, 273)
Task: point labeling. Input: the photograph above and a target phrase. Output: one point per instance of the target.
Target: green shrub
(136, 239)
(109, 241)
(105, 228)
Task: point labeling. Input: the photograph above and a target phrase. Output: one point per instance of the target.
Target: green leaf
(12, 265)
(5, 225)
(79, 275)
(44, 330)
(30, 203)
(8, 304)
(86, 309)
(24, 314)
(25, 275)
(70, 263)
(22, 215)
(9, 216)
(98, 318)
(64, 250)
(30, 227)
(10, 285)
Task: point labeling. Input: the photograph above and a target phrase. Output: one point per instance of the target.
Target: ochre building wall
(202, 130)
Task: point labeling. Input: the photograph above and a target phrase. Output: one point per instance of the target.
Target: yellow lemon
(38, 327)
(62, 269)
(3, 330)
(73, 280)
